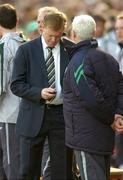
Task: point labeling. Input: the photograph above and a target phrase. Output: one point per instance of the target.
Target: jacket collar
(91, 43)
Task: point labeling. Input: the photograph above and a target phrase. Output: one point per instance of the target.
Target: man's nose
(53, 39)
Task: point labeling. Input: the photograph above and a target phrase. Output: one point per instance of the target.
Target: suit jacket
(29, 77)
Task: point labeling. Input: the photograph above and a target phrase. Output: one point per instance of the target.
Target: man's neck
(4, 31)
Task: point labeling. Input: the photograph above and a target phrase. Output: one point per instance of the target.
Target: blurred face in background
(42, 13)
(119, 30)
(40, 20)
(100, 29)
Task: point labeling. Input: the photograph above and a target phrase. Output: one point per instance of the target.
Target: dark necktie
(50, 68)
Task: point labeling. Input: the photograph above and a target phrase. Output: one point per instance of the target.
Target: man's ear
(94, 33)
(17, 22)
(73, 35)
(42, 24)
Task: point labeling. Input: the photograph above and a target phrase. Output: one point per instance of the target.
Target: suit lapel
(40, 58)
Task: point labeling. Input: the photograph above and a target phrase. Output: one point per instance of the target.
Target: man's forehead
(56, 32)
(119, 23)
(41, 16)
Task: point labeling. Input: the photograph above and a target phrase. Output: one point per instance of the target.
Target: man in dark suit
(41, 109)
(42, 12)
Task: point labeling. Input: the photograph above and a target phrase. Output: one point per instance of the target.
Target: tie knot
(50, 48)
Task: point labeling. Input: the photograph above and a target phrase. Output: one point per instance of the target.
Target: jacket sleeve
(20, 85)
(119, 109)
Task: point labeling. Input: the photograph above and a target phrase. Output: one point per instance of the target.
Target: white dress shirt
(56, 54)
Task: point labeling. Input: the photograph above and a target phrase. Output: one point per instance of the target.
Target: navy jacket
(28, 79)
(92, 93)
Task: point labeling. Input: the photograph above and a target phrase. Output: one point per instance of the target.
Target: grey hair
(84, 26)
